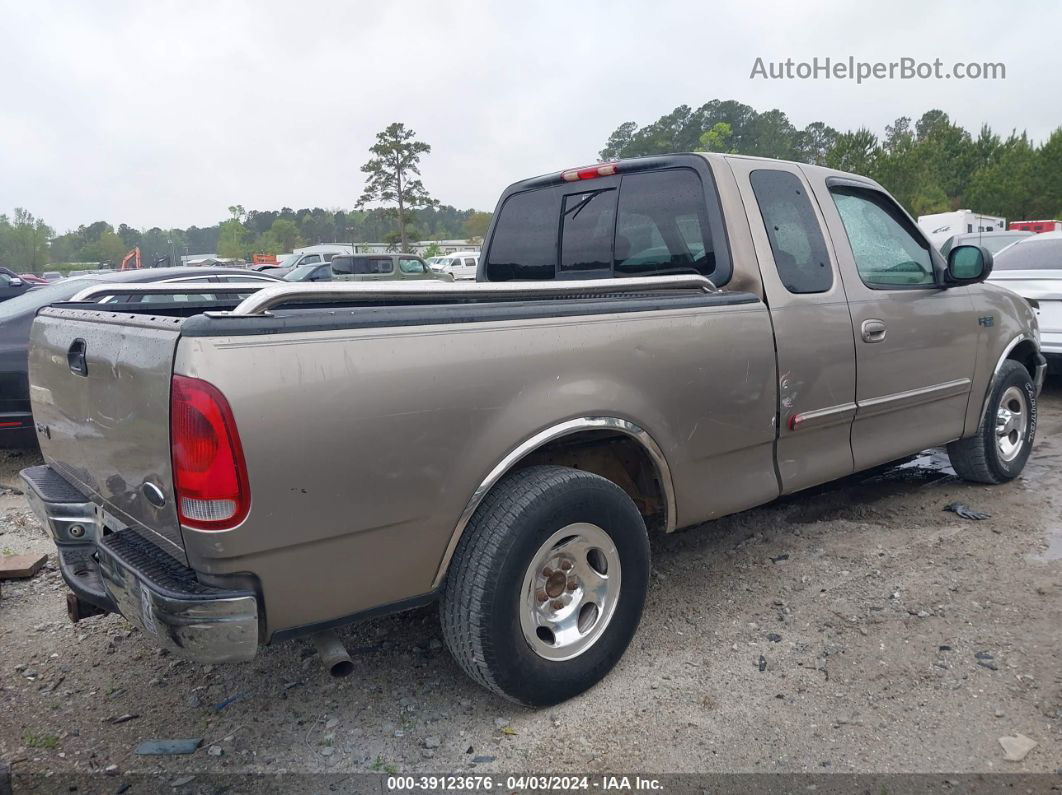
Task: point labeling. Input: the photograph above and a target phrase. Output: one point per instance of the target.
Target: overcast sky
(165, 113)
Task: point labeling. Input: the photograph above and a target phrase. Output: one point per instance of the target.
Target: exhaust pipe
(333, 653)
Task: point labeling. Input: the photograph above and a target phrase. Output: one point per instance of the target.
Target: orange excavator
(134, 257)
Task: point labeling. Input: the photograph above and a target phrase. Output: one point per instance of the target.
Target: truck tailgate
(100, 390)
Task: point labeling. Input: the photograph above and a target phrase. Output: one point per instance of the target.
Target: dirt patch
(854, 627)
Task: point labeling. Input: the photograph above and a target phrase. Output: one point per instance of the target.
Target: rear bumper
(125, 573)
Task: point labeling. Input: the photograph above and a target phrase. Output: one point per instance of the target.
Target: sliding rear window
(647, 223)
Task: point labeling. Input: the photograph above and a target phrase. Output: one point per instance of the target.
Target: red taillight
(590, 172)
(209, 473)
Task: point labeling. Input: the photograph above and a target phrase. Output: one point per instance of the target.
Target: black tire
(483, 594)
(979, 458)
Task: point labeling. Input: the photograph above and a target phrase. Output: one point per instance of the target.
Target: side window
(469, 262)
(5, 280)
(310, 259)
(586, 230)
(662, 225)
(888, 251)
(525, 245)
(381, 265)
(410, 266)
(796, 238)
(343, 265)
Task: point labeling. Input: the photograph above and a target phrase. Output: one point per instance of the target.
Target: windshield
(302, 273)
(997, 243)
(288, 261)
(1033, 255)
(42, 296)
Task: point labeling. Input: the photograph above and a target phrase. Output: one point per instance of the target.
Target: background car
(12, 285)
(319, 272)
(993, 241)
(1032, 268)
(16, 317)
(383, 267)
(462, 265)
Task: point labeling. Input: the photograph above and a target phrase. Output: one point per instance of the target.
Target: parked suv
(379, 267)
(461, 265)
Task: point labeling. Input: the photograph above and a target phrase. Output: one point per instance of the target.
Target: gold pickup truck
(650, 344)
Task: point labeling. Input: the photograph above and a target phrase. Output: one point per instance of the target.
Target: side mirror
(968, 265)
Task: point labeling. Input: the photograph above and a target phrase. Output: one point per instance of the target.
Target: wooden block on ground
(13, 567)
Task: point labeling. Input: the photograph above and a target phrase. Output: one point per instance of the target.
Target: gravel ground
(854, 628)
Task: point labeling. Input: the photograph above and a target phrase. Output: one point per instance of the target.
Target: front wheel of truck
(547, 584)
(1001, 446)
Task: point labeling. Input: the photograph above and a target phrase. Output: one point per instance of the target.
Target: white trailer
(940, 226)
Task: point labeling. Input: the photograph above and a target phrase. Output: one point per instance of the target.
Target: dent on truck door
(809, 313)
(915, 342)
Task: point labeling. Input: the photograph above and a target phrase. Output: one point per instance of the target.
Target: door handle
(75, 357)
(873, 331)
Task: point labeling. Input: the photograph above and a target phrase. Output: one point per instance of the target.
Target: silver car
(1032, 268)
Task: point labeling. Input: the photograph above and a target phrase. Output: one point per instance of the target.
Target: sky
(166, 113)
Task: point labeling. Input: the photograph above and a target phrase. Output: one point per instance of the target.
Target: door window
(793, 230)
(410, 266)
(310, 259)
(888, 251)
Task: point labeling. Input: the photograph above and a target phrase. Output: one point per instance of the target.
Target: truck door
(812, 327)
(915, 341)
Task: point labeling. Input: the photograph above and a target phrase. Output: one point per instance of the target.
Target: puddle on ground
(926, 467)
(1054, 545)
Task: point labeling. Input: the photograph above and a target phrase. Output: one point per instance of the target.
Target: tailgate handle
(75, 357)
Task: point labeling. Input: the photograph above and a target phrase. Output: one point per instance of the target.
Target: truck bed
(370, 418)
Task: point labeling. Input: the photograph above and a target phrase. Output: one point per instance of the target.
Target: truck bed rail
(269, 296)
(274, 295)
(164, 288)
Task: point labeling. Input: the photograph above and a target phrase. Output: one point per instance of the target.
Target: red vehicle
(30, 278)
(1036, 226)
(131, 260)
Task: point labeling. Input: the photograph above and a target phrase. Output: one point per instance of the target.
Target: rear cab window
(642, 222)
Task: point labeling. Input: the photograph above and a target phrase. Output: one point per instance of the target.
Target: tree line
(929, 165)
(28, 243)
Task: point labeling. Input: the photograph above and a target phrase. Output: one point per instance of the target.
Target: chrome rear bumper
(125, 573)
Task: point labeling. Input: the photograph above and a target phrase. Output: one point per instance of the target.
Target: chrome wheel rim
(570, 591)
(1012, 421)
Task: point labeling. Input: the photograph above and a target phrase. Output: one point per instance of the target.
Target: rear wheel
(999, 450)
(547, 585)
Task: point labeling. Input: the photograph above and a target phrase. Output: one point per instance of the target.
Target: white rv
(940, 226)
